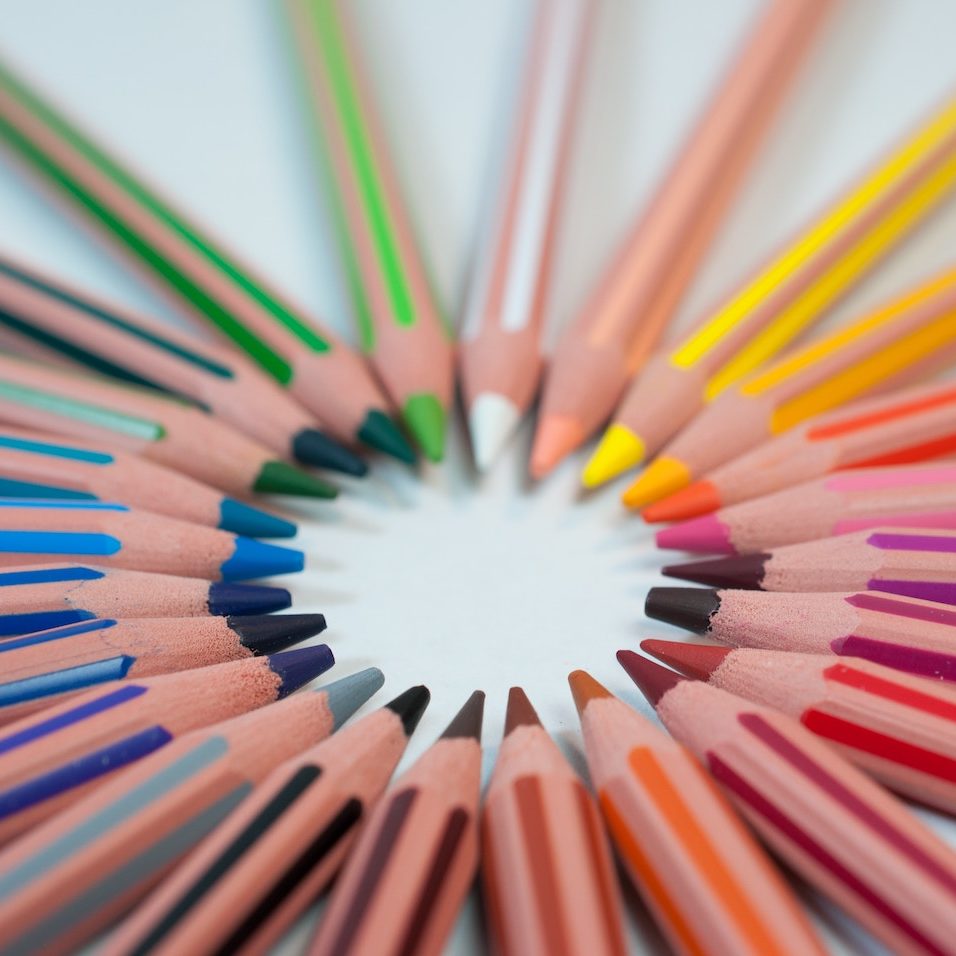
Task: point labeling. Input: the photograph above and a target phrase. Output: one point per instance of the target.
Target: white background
(442, 577)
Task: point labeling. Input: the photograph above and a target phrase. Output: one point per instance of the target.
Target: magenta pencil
(909, 496)
(899, 632)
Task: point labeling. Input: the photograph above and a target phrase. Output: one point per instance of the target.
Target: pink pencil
(500, 354)
(911, 496)
(840, 831)
(897, 728)
(899, 632)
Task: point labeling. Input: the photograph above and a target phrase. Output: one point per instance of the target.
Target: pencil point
(556, 437)
(378, 431)
(426, 420)
(240, 518)
(410, 706)
(705, 535)
(313, 447)
(347, 694)
(743, 571)
(224, 598)
(492, 419)
(281, 478)
(584, 689)
(652, 680)
(467, 722)
(662, 477)
(258, 559)
(520, 713)
(269, 633)
(298, 667)
(689, 608)
(619, 451)
(699, 498)
(692, 660)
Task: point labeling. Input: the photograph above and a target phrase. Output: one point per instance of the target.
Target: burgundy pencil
(406, 878)
(43, 669)
(899, 632)
(49, 760)
(840, 831)
(904, 427)
(259, 871)
(908, 496)
(916, 562)
(549, 883)
(77, 873)
(898, 729)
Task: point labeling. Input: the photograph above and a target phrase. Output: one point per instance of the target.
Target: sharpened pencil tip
(426, 420)
(744, 571)
(520, 713)
(556, 437)
(692, 660)
(619, 451)
(705, 535)
(298, 667)
(252, 558)
(347, 694)
(652, 680)
(313, 447)
(269, 633)
(467, 722)
(378, 431)
(700, 498)
(689, 608)
(410, 706)
(662, 477)
(227, 597)
(584, 688)
(240, 518)
(281, 478)
(492, 420)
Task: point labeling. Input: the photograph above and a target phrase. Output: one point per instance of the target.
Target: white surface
(451, 580)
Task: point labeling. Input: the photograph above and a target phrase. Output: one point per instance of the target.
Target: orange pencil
(549, 881)
(610, 338)
(706, 881)
(77, 873)
(406, 878)
(247, 883)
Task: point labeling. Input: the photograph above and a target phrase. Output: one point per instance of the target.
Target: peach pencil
(917, 563)
(705, 879)
(406, 878)
(79, 872)
(897, 728)
(43, 316)
(906, 496)
(38, 465)
(902, 342)
(549, 882)
(844, 834)
(289, 345)
(500, 352)
(50, 759)
(139, 540)
(403, 331)
(42, 669)
(642, 286)
(38, 597)
(258, 872)
(899, 632)
(904, 427)
(158, 427)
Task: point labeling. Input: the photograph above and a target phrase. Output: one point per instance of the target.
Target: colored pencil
(44, 317)
(904, 341)
(406, 878)
(920, 563)
(75, 874)
(550, 888)
(704, 878)
(38, 597)
(51, 531)
(50, 759)
(40, 465)
(303, 356)
(400, 322)
(623, 317)
(899, 632)
(266, 864)
(500, 353)
(908, 496)
(841, 832)
(791, 292)
(92, 408)
(904, 427)
(896, 728)
(45, 668)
